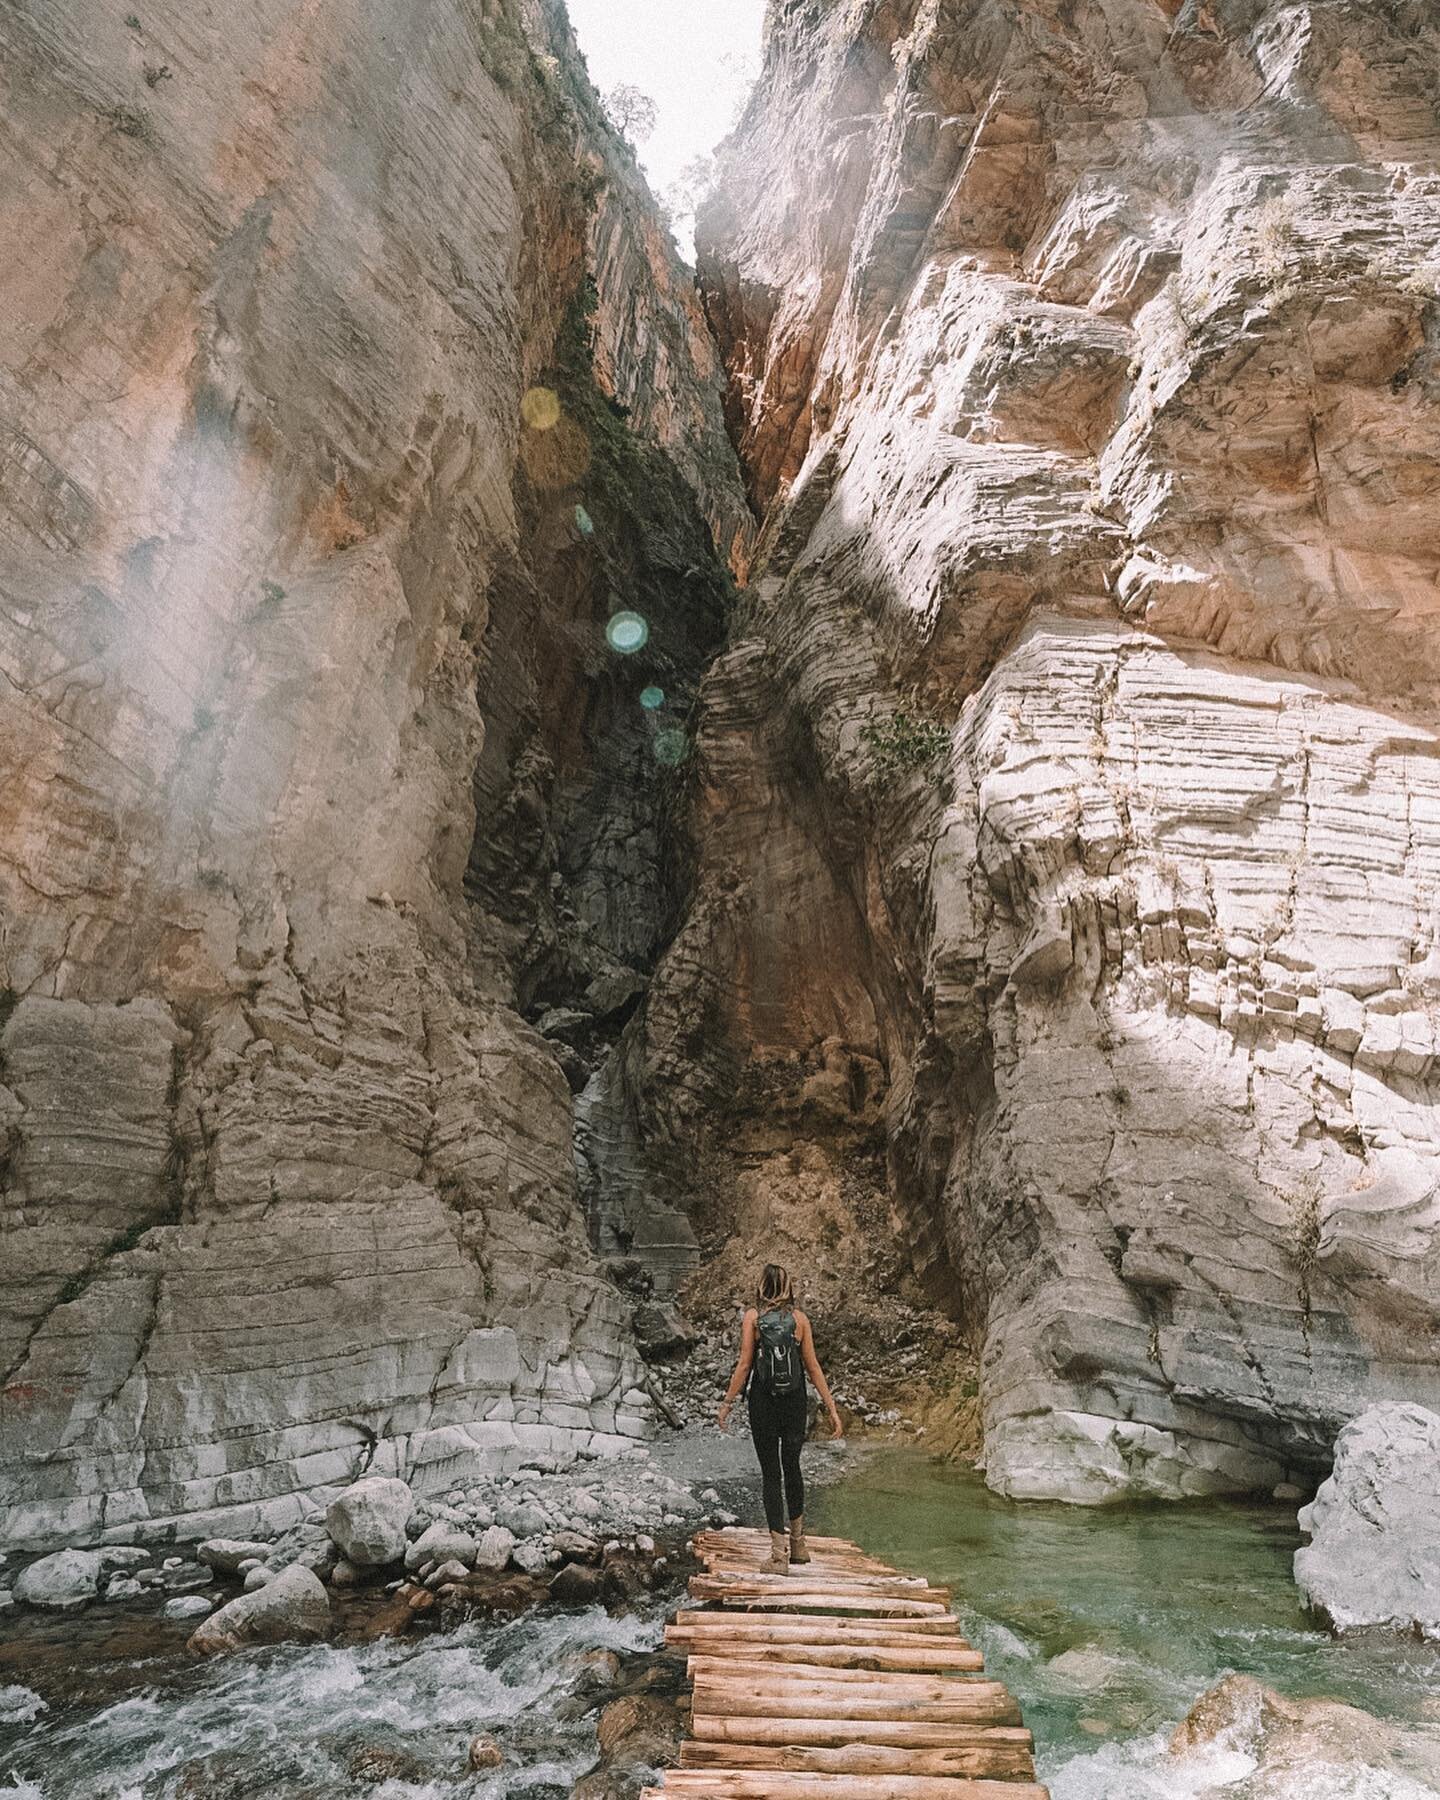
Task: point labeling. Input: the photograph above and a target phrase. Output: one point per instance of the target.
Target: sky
(694, 58)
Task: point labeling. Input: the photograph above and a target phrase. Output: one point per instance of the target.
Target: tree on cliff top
(632, 112)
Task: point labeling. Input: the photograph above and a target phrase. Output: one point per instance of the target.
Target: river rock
(63, 1581)
(228, 1556)
(260, 1576)
(187, 1606)
(292, 1608)
(123, 1587)
(367, 1522)
(123, 1556)
(446, 1574)
(524, 1519)
(531, 1557)
(493, 1550)
(1289, 1741)
(576, 1546)
(440, 1542)
(1374, 1554)
(485, 1752)
(578, 1584)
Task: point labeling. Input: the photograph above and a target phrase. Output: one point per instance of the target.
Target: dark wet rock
(576, 1546)
(372, 1764)
(397, 1616)
(637, 1734)
(579, 1584)
(486, 1594)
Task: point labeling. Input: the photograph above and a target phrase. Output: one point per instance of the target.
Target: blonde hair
(775, 1288)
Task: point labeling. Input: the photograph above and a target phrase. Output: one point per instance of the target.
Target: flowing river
(1106, 1624)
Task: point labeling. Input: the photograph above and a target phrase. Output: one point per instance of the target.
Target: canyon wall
(349, 388)
(1070, 789)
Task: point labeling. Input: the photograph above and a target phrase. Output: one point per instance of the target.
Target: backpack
(778, 1369)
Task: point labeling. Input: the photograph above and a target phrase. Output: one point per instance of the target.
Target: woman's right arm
(742, 1368)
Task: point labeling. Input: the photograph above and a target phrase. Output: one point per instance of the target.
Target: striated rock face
(1070, 789)
(348, 386)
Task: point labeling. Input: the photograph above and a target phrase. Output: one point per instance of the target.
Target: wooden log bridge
(841, 1680)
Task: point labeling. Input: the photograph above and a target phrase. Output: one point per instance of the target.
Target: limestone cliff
(1071, 788)
(349, 387)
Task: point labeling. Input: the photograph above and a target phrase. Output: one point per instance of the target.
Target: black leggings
(778, 1428)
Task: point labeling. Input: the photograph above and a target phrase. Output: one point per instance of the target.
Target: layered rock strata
(1075, 766)
(349, 387)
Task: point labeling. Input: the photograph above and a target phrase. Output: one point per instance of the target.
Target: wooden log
(741, 1563)
(776, 1690)
(978, 1703)
(998, 1761)
(748, 1538)
(756, 1671)
(811, 1601)
(916, 1734)
(905, 1586)
(850, 1657)
(774, 1785)
(780, 1629)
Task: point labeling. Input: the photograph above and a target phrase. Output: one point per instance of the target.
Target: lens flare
(671, 748)
(652, 698)
(540, 409)
(626, 633)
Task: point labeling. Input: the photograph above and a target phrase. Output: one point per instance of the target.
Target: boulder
(494, 1549)
(1374, 1554)
(226, 1555)
(661, 1332)
(67, 1579)
(291, 1608)
(446, 1574)
(531, 1557)
(576, 1546)
(1288, 1742)
(367, 1522)
(123, 1556)
(440, 1542)
(578, 1584)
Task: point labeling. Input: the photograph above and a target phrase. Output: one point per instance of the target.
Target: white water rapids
(287, 1723)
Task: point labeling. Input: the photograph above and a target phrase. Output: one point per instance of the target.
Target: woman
(777, 1351)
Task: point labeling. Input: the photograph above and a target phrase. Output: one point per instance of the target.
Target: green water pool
(1107, 1623)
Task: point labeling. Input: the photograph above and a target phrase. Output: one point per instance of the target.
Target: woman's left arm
(816, 1373)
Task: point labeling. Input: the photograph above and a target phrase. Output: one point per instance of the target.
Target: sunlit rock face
(1083, 363)
(322, 785)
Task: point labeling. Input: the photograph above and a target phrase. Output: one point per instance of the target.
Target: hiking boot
(779, 1563)
(798, 1552)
